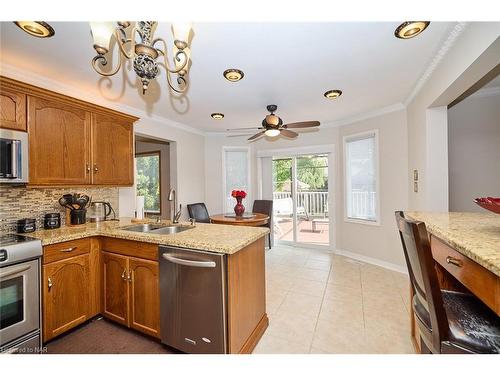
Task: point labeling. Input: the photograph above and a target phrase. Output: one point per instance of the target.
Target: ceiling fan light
(272, 132)
(273, 120)
(102, 33)
(410, 29)
(39, 29)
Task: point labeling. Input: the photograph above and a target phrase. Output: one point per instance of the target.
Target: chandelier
(144, 52)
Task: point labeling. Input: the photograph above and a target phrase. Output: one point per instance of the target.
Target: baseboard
(374, 261)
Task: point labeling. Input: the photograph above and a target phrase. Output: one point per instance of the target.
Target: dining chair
(448, 321)
(199, 212)
(262, 206)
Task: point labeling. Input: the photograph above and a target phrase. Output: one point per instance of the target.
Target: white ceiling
(288, 64)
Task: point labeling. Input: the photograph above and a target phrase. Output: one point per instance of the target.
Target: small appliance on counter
(26, 225)
(101, 211)
(76, 207)
(52, 220)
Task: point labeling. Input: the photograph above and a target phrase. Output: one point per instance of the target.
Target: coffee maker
(100, 211)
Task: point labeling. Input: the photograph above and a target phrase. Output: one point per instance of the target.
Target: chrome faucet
(172, 196)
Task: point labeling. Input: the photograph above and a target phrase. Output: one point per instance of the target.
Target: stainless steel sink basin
(156, 228)
(142, 227)
(171, 229)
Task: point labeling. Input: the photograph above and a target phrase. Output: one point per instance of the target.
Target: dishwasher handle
(191, 263)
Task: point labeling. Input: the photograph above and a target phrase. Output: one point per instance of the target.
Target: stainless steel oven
(13, 156)
(19, 294)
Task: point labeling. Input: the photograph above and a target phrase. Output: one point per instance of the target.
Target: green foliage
(312, 173)
(148, 181)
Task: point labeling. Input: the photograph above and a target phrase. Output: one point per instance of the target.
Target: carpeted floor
(101, 336)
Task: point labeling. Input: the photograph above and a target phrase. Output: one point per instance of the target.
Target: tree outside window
(148, 181)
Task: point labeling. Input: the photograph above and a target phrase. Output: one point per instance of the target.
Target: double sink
(156, 228)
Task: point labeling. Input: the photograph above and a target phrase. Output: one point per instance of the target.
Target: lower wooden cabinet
(131, 292)
(66, 295)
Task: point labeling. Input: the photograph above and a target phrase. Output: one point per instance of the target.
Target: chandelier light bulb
(102, 33)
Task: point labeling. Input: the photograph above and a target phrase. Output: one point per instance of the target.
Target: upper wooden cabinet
(59, 136)
(12, 110)
(112, 150)
(71, 142)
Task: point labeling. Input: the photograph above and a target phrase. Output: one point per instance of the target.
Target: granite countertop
(475, 235)
(226, 239)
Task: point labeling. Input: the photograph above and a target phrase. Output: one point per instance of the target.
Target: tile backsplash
(19, 202)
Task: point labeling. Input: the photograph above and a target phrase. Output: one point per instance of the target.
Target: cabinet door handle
(130, 277)
(49, 283)
(124, 275)
(454, 261)
(68, 250)
(95, 168)
(87, 168)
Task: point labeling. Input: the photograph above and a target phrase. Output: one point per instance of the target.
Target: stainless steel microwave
(13, 156)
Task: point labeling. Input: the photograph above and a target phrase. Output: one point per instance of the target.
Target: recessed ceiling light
(233, 75)
(217, 116)
(410, 29)
(39, 29)
(332, 94)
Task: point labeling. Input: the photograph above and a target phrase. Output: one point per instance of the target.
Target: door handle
(95, 168)
(15, 271)
(49, 283)
(129, 277)
(124, 275)
(190, 263)
(87, 168)
(454, 261)
(14, 159)
(68, 250)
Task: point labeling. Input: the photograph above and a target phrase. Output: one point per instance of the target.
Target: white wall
(380, 243)
(474, 151)
(473, 54)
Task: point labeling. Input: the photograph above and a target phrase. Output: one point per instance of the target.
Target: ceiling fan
(273, 126)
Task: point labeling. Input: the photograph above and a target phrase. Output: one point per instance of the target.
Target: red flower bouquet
(239, 209)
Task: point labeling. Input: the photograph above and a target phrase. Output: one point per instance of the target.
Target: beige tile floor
(319, 302)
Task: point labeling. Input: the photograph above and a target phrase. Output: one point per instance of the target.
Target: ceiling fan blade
(244, 129)
(255, 136)
(289, 133)
(238, 135)
(303, 124)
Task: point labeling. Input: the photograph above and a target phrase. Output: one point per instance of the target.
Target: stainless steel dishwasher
(193, 300)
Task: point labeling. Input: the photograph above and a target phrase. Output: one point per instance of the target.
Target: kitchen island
(466, 249)
(104, 269)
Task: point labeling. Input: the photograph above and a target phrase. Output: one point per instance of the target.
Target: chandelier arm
(165, 56)
(123, 41)
(104, 61)
(181, 83)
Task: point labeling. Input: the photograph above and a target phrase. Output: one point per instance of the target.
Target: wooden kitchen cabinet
(144, 296)
(59, 149)
(112, 150)
(66, 295)
(12, 110)
(115, 287)
(71, 142)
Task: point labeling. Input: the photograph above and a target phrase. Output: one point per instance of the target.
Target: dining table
(250, 219)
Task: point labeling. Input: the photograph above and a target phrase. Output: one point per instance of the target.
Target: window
(148, 181)
(236, 175)
(361, 177)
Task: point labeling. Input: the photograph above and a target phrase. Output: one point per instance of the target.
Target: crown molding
(436, 61)
(13, 72)
(486, 91)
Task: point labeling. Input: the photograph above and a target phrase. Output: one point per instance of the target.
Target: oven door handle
(15, 271)
(191, 263)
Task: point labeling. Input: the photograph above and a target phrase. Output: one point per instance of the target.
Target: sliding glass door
(301, 199)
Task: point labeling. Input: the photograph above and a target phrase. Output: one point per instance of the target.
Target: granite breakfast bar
(466, 249)
(103, 269)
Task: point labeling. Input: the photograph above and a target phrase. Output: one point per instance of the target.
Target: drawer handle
(68, 250)
(454, 261)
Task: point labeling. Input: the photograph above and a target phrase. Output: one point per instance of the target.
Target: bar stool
(448, 321)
